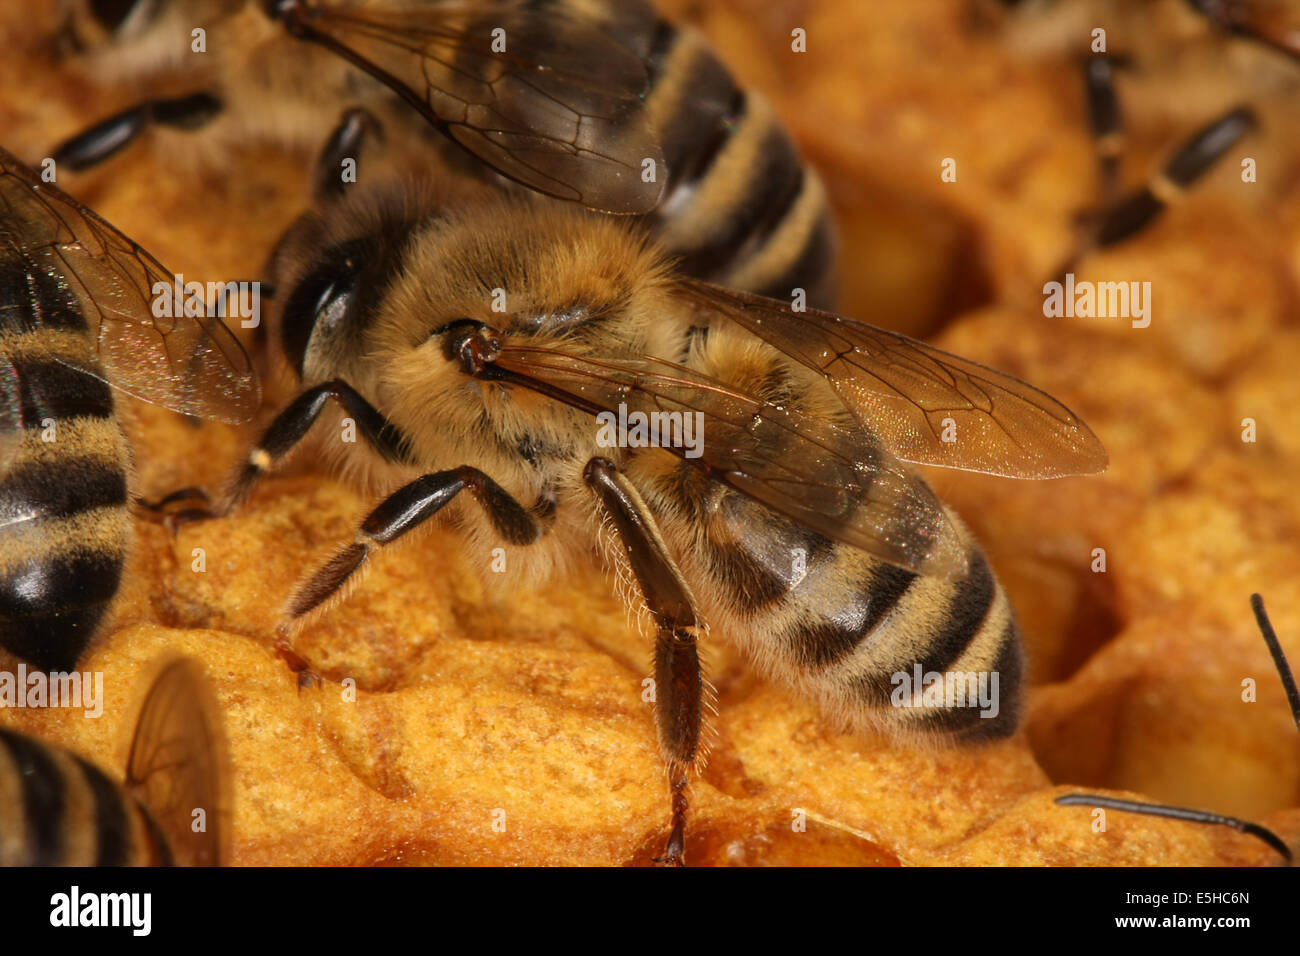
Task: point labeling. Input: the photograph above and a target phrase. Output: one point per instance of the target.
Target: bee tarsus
(302, 670)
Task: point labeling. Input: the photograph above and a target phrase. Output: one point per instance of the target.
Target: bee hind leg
(679, 680)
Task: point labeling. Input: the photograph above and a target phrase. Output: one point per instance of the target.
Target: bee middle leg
(284, 434)
(679, 680)
(407, 508)
(188, 500)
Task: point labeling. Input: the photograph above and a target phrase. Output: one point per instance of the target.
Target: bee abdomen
(32, 300)
(824, 641)
(58, 810)
(50, 490)
(740, 207)
(867, 637)
(65, 537)
(64, 526)
(925, 653)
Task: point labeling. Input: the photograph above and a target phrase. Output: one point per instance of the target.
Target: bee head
(332, 270)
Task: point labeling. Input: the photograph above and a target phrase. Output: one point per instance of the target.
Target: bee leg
(280, 438)
(343, 145)
(292, 425)
(1106, 124)
(679, 682)
(96, 144)
(407, 508)
(297, 663)
(180, 507)
(1189, 164)
(1104, 119)
(188, 493)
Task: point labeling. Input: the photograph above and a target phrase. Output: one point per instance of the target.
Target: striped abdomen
(852, 631)
(58, 810)
(64, 526)
(740, 208)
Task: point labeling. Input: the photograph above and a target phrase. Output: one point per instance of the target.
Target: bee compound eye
(320, 304)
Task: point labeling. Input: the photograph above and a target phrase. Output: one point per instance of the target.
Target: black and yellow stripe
(844, 628)
(740, 207)
(58, 810)
(64, 525)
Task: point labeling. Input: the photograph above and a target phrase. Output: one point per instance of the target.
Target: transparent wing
(177, 764)
(191, 364)
(549, 99)
(914, 396)
(838, 481)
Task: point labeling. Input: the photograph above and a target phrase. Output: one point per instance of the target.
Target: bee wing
(190, 364)
(559, 110)
(906, 392)
(177, 764)
(838, 481)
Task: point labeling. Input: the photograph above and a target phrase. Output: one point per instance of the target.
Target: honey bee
(75, 318)
(1262, 833)
(511, 347)
(597, 102)
(57, 809)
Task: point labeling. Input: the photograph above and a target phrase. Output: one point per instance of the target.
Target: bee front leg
(679, 680)
(1105, 120)
(291, 426)
(280, 438)
(1116, 217)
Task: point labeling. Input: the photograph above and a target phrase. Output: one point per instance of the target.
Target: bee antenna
(1178, 813)
(1279, 658)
